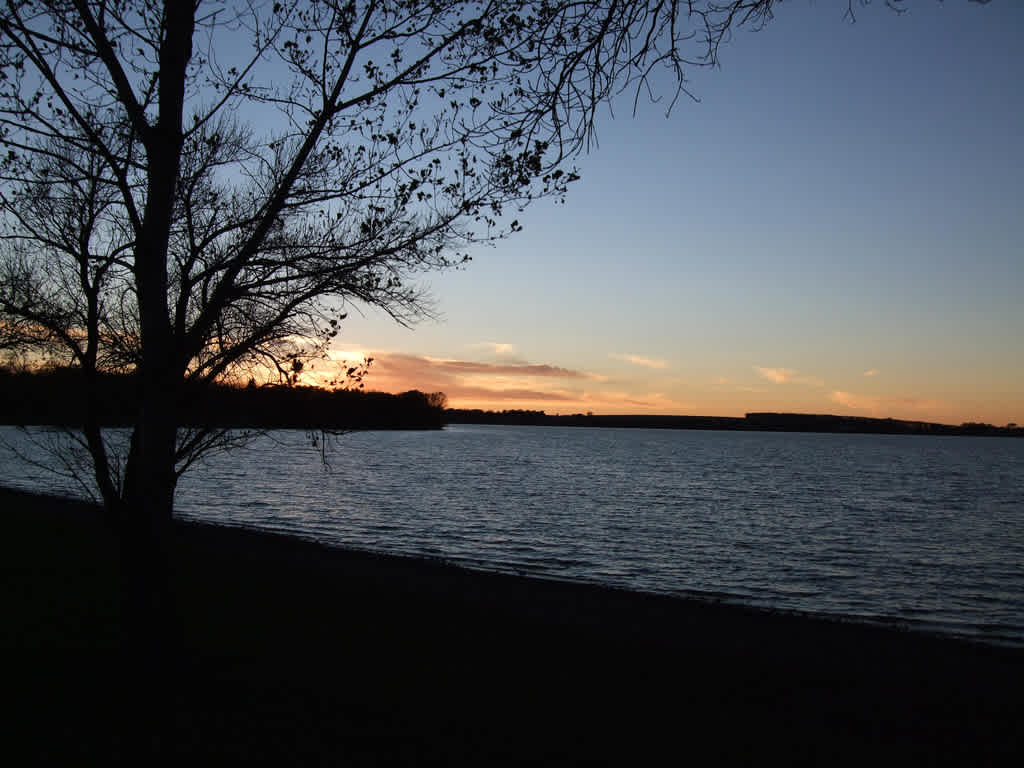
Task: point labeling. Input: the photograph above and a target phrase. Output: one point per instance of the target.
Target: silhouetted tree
(194, 191)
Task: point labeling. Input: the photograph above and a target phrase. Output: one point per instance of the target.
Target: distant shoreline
(377, 419)
(57, 397)
(752, 422)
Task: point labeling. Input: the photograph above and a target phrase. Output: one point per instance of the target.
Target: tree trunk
(147, 515)
(149, 476)
(152, 624)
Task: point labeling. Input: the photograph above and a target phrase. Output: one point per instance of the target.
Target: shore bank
(290, 652)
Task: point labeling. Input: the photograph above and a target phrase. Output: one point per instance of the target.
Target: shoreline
(727, 601)
(414, 660)
(751, 422)
(723, 600)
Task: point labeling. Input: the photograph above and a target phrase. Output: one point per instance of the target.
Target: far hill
(760, 422)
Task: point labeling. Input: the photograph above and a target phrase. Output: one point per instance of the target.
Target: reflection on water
(927, 531)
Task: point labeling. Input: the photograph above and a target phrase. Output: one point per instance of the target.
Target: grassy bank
(294, 653)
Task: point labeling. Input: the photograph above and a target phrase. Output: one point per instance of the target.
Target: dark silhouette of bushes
(58, 397)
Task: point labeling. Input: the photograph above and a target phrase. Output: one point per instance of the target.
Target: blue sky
(834, 227)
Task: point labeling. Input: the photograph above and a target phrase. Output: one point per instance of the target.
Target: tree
(195, 191)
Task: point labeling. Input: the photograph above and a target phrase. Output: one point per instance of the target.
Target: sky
(835, 227)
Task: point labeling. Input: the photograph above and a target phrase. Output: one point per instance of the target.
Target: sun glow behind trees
(843, 199)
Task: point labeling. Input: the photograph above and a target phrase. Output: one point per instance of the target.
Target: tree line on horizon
(760, 422)
(54, 396)
(57, 397)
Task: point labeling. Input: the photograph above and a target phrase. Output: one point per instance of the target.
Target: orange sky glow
(833, 228)
(638, 387)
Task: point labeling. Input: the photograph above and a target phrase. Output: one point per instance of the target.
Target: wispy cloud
(778, 375)
(857, 402)
(460, 394)
(509, 384)
(502, 350)
(897, 407)
(788, 376)
(649, 402)
(646, 362)
(872, 372)
(470, 380)
(470, 368)
(350, 355)
(725, 384)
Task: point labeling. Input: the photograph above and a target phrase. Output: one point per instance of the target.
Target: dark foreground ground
(290, 653)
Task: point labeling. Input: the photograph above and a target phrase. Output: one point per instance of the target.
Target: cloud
(872, 372)
(646, 362)
(352, 355)
(471, 368)
(517, 395)
(725, 384)
(432, 367)
(778, 375)
(895, 407)
(788, 376)
(469, 382)
(506, 352)
(857, 402)
(502, 384)
(649, 402)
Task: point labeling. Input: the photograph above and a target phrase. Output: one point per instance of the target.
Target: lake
(924, 532)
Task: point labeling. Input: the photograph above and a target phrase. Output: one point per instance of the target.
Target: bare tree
(195, 191)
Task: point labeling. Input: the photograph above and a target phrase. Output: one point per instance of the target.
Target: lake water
(926, 532)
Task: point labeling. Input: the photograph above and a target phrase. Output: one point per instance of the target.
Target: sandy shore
(294, 653)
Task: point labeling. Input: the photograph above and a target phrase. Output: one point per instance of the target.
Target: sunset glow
(834, 228)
